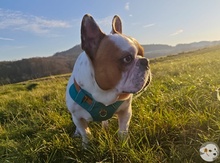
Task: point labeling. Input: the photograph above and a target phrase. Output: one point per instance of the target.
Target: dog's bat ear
(116, 25)
(91, 35)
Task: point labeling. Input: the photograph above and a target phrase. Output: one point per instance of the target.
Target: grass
(171, 120)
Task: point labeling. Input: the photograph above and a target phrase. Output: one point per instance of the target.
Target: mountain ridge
(151, 50)
(62, 62)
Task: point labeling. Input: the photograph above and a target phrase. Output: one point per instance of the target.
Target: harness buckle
(87, 100)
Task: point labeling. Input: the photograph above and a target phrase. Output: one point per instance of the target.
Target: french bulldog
(105, 76)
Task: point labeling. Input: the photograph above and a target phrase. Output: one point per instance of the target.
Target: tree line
(27, 69)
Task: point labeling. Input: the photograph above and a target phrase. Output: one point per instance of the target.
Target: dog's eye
(127, 59)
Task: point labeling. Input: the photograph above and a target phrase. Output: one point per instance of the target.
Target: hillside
(157, 50)
(73, 52)
(27, 69)
(171, 120)
(153, 50)
(62, 62)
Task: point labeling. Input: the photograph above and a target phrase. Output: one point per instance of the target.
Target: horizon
(173, 46)
(39, 29)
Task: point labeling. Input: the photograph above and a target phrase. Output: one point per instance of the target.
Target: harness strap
(86, 98)
(97, 110)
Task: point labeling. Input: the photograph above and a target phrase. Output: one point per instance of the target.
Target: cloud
(16, 20)
(6, 39)
(106, 21)
(149, 25)
(127, 6)
(177, 32)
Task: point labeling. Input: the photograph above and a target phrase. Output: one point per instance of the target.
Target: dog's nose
(144, 62)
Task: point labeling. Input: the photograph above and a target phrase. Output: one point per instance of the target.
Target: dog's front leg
(124, 117)
(82, 128)
(105, 124)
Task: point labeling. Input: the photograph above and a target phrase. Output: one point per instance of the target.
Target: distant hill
(62, 62)
(73, 52)
(158, 50)
(152, 50)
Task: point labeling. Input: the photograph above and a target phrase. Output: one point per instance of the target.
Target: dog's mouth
(149, 77)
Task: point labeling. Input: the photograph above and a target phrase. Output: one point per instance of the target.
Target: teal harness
(97, 110)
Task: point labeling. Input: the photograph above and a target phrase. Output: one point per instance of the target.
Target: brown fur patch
(124, 96)
(139, 47)
(106, 64)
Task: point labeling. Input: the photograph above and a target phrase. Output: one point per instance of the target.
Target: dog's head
(209, 152)
(118, 60)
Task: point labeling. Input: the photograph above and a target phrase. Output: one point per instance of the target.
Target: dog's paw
(123, 135)
(76, 134)
(85, 146)
(105, 124)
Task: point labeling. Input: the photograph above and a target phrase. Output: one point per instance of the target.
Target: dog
(209, 152)
(105, 76)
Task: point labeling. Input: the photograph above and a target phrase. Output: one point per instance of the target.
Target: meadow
(171, 120)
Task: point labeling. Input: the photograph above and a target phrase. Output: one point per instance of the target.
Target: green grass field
(171, 120)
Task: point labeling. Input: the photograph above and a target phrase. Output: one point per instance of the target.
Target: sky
(40, 28)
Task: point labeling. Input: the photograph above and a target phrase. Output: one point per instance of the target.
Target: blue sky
(40, 28)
